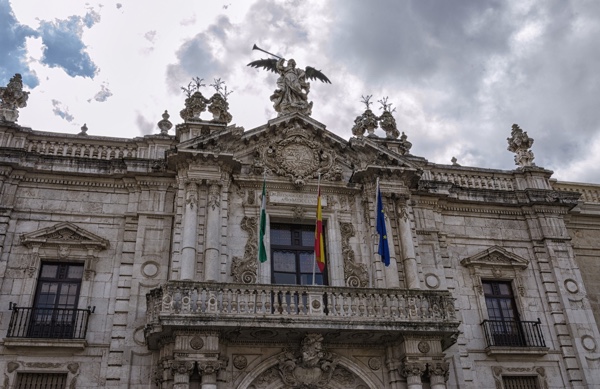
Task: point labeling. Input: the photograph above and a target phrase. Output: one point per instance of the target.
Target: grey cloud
(146, 127)
(12, 46)
(462, 61)
(61, 111)
(150, 36)
(64, 48)
(103, 94)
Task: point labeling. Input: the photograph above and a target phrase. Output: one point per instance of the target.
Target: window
(520, 382)
(41, 380)
(293, 255)
(503, 323)
(55, 313)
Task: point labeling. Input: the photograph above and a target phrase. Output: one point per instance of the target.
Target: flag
(319, 245)
(262, 250)
(384, 248)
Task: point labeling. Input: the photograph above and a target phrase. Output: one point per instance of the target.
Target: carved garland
(245, 269)
(356, 274)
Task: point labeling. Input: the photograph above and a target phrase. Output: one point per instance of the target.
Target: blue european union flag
(384, 248)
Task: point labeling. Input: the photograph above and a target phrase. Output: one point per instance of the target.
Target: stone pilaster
(209, 369)
(190, 232)
(213, 232)
(411, 272)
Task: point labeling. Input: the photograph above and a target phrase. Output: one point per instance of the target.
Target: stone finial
(405, 145)
(165, 125)
(520, 143)
(195, 103)
(365, 122)
(454, 161)
(219, 106)
(83, 130)
(12, 97)
(387, 121)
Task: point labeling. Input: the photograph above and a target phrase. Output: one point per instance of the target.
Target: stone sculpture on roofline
(12, 97)
(291, 95)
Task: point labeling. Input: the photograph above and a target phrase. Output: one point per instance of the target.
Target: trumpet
(265, 51)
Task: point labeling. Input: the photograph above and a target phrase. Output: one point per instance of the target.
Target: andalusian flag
(262, 250)
(384, 248)
(319, 245)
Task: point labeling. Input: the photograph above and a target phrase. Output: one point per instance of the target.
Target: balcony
(514, 336)
(47, 326)
(276, 312)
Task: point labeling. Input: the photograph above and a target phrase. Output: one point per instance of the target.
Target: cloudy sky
(458, 73)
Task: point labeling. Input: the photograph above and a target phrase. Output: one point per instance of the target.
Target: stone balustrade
(94, 147)
(474, 179)
(589, 193)
(197, 299)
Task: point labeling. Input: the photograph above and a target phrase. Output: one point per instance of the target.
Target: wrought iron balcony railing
(513, 333)
(48, 323)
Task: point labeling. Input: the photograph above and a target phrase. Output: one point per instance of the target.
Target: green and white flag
(262, 250)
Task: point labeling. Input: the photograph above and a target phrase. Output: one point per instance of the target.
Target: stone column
(190, 233)
(413, 372)
(393, 365)
(181, 374)
(212, 245)
(411, 272)
(438, 374)
(208, 370)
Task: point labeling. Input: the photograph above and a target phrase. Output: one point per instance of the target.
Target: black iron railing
(513, 333)
(49, 323)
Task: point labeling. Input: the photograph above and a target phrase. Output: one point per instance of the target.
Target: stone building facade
(132, 263)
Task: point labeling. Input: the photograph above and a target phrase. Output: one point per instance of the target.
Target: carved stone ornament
(165, 125)
(299, 158)
(219, 107)
(210, 367)
(365, 122)
(182, 367)
(312, 367)
(520, 143)
(12, 97)
(196, 343)
(424, 347)
(240, 362)
(413, 369)
(244, 270)
(355, 274)
(195, 104)
(214, 196)
(388, 124)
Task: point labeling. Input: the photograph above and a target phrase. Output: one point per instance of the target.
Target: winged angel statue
(291, 95)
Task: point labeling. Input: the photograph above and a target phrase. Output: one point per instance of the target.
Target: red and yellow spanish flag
(319, 245)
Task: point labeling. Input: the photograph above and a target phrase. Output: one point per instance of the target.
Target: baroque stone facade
(163, 230)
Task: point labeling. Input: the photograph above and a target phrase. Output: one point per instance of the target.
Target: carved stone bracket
(355, 274)
(245, 269)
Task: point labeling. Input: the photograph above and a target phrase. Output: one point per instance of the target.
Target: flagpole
(316, 223)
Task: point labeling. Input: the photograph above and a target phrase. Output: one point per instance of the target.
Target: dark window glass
(293, 256)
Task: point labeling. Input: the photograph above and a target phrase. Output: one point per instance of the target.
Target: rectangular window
(293, 255)
(55, 313)
(504, 324)
(520, 382)
(41, 381)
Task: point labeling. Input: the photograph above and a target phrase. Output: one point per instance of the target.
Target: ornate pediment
(298, 155)
(64, 234)
(495, 257)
